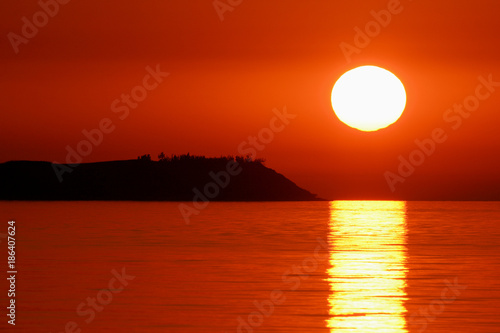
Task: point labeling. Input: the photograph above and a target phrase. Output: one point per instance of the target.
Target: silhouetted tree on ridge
(146, 157)
(162, 157)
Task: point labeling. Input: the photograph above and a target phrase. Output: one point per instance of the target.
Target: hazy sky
(226, 76)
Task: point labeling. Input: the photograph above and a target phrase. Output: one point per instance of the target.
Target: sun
(368, 98)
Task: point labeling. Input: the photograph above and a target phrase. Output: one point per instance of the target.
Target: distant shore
(176, 178)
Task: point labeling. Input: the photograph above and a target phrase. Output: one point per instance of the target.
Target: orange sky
(226, 77)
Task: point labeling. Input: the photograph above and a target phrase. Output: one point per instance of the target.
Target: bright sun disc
(368, 98)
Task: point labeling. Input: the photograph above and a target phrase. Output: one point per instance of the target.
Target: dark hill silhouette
(170, 179)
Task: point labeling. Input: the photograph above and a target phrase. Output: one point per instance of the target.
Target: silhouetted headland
(176, 178)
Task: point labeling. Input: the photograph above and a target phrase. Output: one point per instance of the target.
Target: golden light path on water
(368, 270)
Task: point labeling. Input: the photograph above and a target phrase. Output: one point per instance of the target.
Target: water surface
(257, 267)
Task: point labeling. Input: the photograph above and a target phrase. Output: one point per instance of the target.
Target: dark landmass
(178, 178)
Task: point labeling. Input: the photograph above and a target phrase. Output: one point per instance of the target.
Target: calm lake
(340, 266)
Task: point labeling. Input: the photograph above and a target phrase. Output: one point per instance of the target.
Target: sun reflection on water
(368, 270)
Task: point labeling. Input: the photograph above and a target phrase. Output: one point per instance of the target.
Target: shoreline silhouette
(175, 178)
